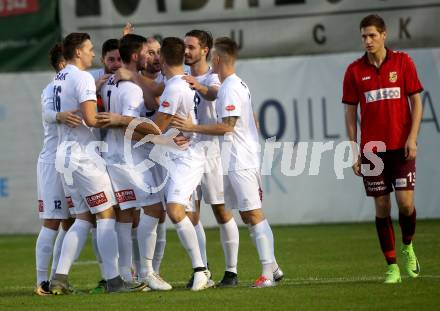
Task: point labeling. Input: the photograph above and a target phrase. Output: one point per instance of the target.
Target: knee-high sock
(136, 255)
(43, 252)
(188, 237)
(230, 239)
(407, 226)
(108, 246)
(265, 248)
(201, 238)
(252, 235)
(73, 243)
(161, 242)
(385, 232)
(125, 249)
(96, 251)
(57, 251)
(147, 243)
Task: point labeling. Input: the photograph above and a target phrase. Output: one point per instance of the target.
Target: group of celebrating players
(147, 136)
(138, 99)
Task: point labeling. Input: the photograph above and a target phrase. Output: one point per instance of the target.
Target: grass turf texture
(326, 267)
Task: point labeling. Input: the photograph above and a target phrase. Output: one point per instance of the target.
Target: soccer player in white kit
(155, 77)
(86, 178)
(205, 82)
(110, 60)
(130, 184)
(52, 203)
(186, 167)
(238, 132)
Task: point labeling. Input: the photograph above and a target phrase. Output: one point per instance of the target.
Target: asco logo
(230, 108)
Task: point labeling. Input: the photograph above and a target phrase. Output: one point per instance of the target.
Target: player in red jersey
(382, 81)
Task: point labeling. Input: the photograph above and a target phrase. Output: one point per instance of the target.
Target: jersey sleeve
(229, 104)
(170, 100)
(132, 100)
(85, 88)
(213, 80)
(411, 78)
(350, 93)
(48, 109)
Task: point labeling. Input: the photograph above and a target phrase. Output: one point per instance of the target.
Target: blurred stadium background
(293, 57)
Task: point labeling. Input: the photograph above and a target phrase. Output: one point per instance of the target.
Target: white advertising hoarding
(262, 27)
(296, 99)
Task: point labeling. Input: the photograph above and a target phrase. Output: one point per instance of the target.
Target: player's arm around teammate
(238, 129)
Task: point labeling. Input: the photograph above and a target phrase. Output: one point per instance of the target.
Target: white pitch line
(285, 281)
(85, 262)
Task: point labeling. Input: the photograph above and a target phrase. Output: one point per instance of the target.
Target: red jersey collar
(388, 56)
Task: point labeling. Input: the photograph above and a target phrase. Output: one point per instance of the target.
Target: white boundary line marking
(285, 281)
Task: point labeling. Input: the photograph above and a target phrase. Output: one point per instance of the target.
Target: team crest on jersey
(165, 104)
(230, 108)
(125, 196)
(393, 76)
(96, 199)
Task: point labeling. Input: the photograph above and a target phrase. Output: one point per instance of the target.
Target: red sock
(385, 232)
(408, 226)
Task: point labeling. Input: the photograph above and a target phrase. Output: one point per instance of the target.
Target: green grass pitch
(327, 267)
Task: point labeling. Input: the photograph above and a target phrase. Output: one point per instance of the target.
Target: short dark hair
(56, 56)
(72, 42)
(226, 45)
(373, 20)
(109, 45)
(205, 38)
(130, 44)
(173, 51)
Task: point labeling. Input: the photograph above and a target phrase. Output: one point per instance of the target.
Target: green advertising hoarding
(28, 29)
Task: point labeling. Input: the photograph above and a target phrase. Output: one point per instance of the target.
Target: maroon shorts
(397, 173)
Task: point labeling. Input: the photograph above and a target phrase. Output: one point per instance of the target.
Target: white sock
(43, 252)
(230, 238)
(136, 256)
(73, 243)
(275, 264)
(147, 242)
(108, 246)
(201, 238)
(96, 251)
(264, 243)
(188, 237)
(125, 248)
(161, 242)
(57, 251)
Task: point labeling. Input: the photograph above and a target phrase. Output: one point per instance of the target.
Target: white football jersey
(124, 98)
(148, 112)
(178, 99)
(205, 109)
(50, 143)
(72, 87)
(105, 92)
(234, 100)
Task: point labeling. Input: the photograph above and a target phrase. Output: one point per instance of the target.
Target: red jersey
(383, 93)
